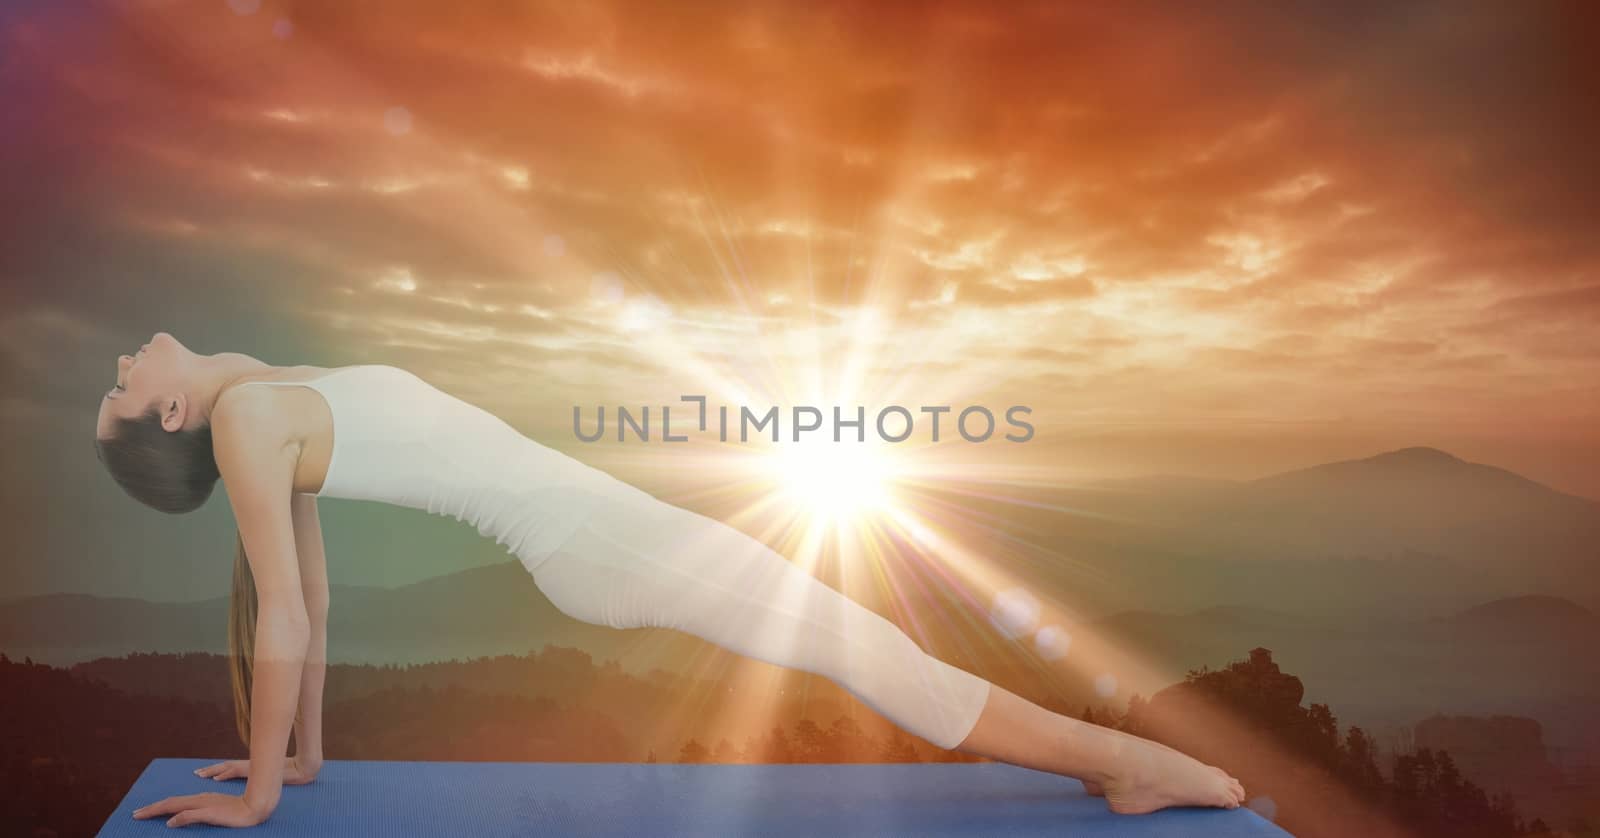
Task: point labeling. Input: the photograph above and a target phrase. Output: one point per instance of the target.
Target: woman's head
(156, 442)
(153, 443)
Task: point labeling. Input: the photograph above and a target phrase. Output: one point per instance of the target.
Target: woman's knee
(604, 592)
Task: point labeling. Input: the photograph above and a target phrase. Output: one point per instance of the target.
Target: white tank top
(399, 440)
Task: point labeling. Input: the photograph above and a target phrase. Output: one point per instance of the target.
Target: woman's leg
(646, 563)
(650, 564)
(1135, 775)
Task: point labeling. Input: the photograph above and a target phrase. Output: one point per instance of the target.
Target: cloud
(1217, 194)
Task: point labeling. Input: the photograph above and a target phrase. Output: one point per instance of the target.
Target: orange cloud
(1363, 211)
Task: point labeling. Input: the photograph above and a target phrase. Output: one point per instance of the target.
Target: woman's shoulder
(245, 414)
(254, 417)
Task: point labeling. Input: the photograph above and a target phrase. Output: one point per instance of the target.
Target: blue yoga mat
(357, 798)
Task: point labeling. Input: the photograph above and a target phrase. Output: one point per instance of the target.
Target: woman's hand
(297, 770)
(207, 807)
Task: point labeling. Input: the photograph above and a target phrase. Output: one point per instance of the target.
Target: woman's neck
(216, 373)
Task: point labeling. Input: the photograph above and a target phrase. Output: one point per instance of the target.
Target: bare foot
(1093, 788)
(1151, 776)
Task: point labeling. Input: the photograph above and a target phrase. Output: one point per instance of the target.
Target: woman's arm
(257, 462)
(314, 584)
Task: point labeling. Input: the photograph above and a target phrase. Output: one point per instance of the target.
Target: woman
(603, 552)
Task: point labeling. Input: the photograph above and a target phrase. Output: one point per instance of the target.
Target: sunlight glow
(837, 483)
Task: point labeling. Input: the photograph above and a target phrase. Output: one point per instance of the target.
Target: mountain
(1512, 655)
(1498, 656)
(1418, 499)
(1405, 532)
(1432, 501)
(488, 610)
(1525, 611)
(1409, 582)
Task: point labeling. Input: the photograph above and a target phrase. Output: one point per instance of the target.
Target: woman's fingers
(207, 814)
(208, 807)
(167, 806)
(225, 770)
(292, 771)
(214, 808)
(231, 771)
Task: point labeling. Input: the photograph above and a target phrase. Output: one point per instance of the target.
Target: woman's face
(159, 370)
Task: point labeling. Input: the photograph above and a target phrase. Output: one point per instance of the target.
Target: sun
(835, 482)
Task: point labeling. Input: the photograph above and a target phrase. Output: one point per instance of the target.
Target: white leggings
(647, 563)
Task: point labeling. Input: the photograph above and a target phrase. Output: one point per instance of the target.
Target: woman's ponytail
(242, 639)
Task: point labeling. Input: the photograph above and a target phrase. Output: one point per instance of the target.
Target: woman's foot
(1150, 776)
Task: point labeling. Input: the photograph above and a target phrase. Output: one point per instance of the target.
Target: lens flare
(1052, 643)
(1015, 611)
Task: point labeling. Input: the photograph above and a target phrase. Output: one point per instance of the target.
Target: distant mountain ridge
(1411, 580)
(1510, 655)
(1418, 462)
(1524, 609)
(1417, 525)
(1411, 530)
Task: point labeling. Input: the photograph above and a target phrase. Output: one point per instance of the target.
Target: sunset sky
(1215, 239)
